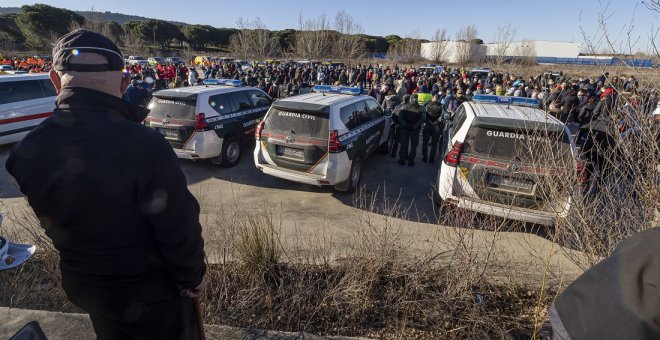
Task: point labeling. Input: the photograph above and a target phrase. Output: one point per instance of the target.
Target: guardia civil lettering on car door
(209, 122)
(322, 138)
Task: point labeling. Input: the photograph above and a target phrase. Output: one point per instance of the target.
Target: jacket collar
(79, 98)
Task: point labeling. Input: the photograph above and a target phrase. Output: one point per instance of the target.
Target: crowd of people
(33, 64)
(586, 104)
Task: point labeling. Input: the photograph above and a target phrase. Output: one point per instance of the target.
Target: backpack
(452, 105)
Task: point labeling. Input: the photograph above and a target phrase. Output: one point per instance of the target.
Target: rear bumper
(202, 145)
(508, 212)
(292, 176)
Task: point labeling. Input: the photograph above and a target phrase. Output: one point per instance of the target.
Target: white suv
(25, 101)
(500, 154)
(208, 122)
(322, 138)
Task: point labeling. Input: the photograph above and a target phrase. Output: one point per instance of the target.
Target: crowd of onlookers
(34, 64)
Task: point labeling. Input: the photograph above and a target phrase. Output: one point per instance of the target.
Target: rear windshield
(175, 108)
(301, 124)
(517, 145)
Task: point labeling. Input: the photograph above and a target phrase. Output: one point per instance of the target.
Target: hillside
(96, 16)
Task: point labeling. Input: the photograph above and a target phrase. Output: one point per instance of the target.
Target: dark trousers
(172, 318)
(408, 140)
(432, 132)
(395, 144)
(599, 148)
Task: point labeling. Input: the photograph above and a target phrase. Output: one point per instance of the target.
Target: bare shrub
(253, 41)
(439, 50)
(313, 38)
(408, 50)
(504, 37)
(464, 52)
(349, 46)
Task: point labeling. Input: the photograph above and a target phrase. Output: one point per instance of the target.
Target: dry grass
(377, 288)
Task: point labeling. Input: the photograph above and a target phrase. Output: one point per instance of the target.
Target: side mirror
(387, 112)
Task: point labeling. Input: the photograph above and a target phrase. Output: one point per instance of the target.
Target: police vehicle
(480, 72)
(26, 100)
(322, 138)
(433, 68)
(211, 121)
(496, 160)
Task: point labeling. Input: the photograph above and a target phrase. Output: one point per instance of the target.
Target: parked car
(322, 138)
(208, 122)
(494, 164)
(25, 101)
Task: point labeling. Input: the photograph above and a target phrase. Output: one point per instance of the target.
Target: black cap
(68, 47)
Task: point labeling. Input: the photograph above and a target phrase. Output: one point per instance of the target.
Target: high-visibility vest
(424, 98)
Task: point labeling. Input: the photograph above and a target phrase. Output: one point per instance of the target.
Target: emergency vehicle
(212, 121)
(500, 155)
(322, 138)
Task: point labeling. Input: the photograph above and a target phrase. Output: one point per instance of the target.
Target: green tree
(153, 31)
(198, 36)
(113, 30)
(42, 24)
(10, 35)
(285, 38)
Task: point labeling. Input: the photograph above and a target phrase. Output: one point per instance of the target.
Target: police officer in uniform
(410, 122)
(397, 124)
(432, 129)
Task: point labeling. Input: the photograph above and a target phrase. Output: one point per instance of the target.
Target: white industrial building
(453, 51)
(534, 48)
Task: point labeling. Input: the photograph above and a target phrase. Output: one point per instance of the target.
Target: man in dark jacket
(110, 194)
(569, 107)
(432, 129)
(616, 299)
(410, 121)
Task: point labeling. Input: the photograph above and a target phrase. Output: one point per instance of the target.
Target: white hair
(107, 81)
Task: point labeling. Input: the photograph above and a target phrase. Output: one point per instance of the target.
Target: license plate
(169, 133)
(499, 181)
(290, 152)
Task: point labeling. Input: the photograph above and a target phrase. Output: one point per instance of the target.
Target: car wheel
(437, 200)
(231, 152)
(355, 176)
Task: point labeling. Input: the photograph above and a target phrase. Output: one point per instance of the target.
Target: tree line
(37, 26)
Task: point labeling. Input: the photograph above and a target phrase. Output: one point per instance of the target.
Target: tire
(231, 152)
(436, 198)
(354, 177)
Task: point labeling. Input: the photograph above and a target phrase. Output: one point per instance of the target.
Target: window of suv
(459, 119)
(222, 104)
(347, 116)
(241, 101)
(362, 113)
(259, 99)
(374, 109)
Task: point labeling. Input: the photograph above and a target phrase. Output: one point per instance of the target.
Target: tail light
(454, 156)
(200, 122)
(582, 175)
(260, 128)
(334, 145)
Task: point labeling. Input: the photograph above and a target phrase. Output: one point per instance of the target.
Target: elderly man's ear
(125, 81)
(55, 79)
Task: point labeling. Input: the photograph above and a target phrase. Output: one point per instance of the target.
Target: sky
(557, 20)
